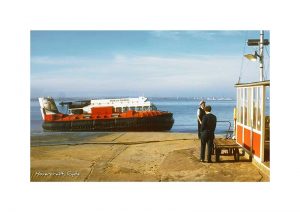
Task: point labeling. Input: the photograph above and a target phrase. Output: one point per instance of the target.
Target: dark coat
(208, 126)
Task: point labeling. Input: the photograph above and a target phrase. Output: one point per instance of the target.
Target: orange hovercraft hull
(105, 119)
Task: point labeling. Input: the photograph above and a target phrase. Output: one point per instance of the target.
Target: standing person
(207, 133)
(200, 114)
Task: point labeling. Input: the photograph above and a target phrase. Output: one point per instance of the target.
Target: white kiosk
(252, 124)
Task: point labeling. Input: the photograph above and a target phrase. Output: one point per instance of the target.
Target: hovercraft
(125, 114)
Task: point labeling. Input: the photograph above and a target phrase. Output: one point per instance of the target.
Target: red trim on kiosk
(247, 139)
(256, 144)
(239, 132)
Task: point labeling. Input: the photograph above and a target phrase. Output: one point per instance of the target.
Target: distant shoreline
(150, 98)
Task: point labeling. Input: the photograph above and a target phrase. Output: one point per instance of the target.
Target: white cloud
(146, 74)
(207, 35)
(176, 35)
(44, 60)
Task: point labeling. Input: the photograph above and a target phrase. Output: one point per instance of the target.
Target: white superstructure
(122, 105)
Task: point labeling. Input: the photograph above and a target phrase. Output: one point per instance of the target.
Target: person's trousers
(206, 139)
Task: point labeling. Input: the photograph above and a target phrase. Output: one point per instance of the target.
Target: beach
(131, 157)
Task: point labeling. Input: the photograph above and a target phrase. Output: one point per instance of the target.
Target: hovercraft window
(153, 107)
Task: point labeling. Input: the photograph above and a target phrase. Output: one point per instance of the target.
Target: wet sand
(131, 156)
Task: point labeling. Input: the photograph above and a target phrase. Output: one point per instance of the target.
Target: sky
(141, 63)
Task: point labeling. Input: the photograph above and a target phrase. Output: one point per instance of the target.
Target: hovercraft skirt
(162, 122)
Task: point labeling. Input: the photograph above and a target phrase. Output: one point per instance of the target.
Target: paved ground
(131, 156)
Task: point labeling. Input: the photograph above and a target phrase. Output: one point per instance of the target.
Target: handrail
(228, 131)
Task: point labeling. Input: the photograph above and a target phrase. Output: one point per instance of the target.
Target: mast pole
(261, 56)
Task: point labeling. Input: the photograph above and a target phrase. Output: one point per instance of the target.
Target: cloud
(207, 35)
(124, 74)
(44, 60)
(176, 35)
(173, 35)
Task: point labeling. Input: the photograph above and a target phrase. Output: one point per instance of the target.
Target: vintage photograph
(150, 105)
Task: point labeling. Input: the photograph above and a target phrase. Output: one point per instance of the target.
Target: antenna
(261, 56)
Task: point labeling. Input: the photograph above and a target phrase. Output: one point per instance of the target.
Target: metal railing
(229, 130)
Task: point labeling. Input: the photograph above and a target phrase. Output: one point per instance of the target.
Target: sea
(184, 111)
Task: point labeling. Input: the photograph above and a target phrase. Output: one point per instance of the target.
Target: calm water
(184, 112)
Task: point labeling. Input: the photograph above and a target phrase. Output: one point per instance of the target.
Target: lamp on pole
(253, 57)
